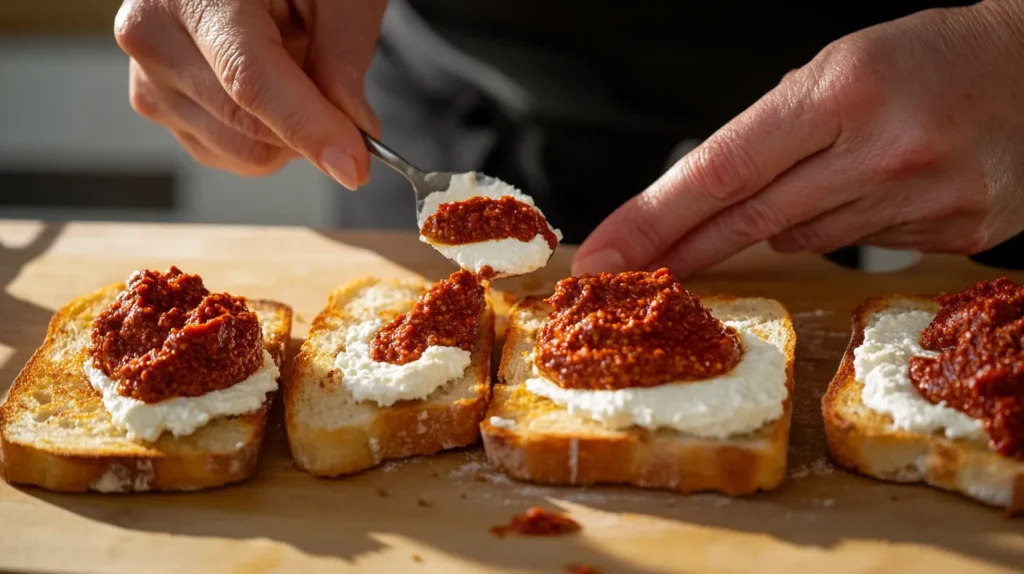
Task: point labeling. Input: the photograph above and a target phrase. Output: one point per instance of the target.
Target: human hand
(247, 85)
(906, 135)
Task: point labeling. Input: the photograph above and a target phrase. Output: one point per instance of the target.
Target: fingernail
(607, 260)
(341, 166)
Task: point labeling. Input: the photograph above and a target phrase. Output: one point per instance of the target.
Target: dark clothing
(582, 103)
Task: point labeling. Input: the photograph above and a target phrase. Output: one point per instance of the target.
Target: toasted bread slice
(541, 442)
(332, 434)
(863, 440)
(55, 432)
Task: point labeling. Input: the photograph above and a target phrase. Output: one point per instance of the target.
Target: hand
(905, 135)
(247, 85)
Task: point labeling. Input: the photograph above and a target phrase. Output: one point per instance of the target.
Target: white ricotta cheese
(740, 401)
(182, 415)
(882, 364)
(387, 383)
(506, 256)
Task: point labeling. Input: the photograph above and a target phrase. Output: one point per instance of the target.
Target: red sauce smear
(979, 333)
(447, 315)
(633, 329)
(167, 336)
(483, 218)
(581, 569)
(538, 522)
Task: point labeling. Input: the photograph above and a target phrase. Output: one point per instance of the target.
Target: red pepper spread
(166, 336)
(483, 218)
(447, 315)
(979, 333)
(538, 522)
(634, 329)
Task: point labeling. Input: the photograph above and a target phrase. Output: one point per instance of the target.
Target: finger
(817, 186)
(244, 47)
(846, 225)
(960, 235)
(159, 44)
(344, 35)
(790, 123)
(237, 153)
(199, 152)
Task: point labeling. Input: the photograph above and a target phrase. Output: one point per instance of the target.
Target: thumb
(343, 35)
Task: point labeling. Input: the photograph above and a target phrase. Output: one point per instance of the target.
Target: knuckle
(643, 235)
(261, 157)
(754, 220)
(809, 238)
(971, 242)
(722, 169)
(242, 78)
(294, 126)
(128, 29)
(853, 76)
(921, 149)
(142, 101)
(244, 122)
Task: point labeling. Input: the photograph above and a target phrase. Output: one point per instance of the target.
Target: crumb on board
(463, 495)
(417, 558)
(381, 492)
(423, 502)
(537, 521)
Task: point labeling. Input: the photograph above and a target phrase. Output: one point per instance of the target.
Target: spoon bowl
(424, 183)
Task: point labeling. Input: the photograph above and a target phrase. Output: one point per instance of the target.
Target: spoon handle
(392, 159)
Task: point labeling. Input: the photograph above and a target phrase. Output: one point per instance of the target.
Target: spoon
(425, 183)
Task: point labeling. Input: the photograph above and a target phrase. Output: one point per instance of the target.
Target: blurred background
(72, 148)
(577, 121)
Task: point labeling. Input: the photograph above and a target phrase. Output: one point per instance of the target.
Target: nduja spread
(447, 315)
(979, 333)
(166, 336)
(538, 522)
(484, 218)
(633, 329)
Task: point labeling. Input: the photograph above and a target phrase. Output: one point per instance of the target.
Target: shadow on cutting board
(22, 321)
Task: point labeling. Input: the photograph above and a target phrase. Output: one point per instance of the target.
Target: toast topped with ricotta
(65, 425)
(878, 422)
(391, 369)
(628, 420)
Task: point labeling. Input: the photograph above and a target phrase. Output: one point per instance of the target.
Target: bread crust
(863, 441)
(405, 429)
(169, 464)
(664, 459)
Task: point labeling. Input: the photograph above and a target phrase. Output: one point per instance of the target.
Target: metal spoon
(423, 183)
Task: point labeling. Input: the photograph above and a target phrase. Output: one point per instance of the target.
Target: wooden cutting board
(433, 514)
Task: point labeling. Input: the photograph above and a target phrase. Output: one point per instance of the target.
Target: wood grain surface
(433, 514)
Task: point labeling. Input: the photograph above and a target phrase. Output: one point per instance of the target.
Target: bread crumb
(463, 495)
(819, 467)
(381, 492)
(423, 502)
(417, 558)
